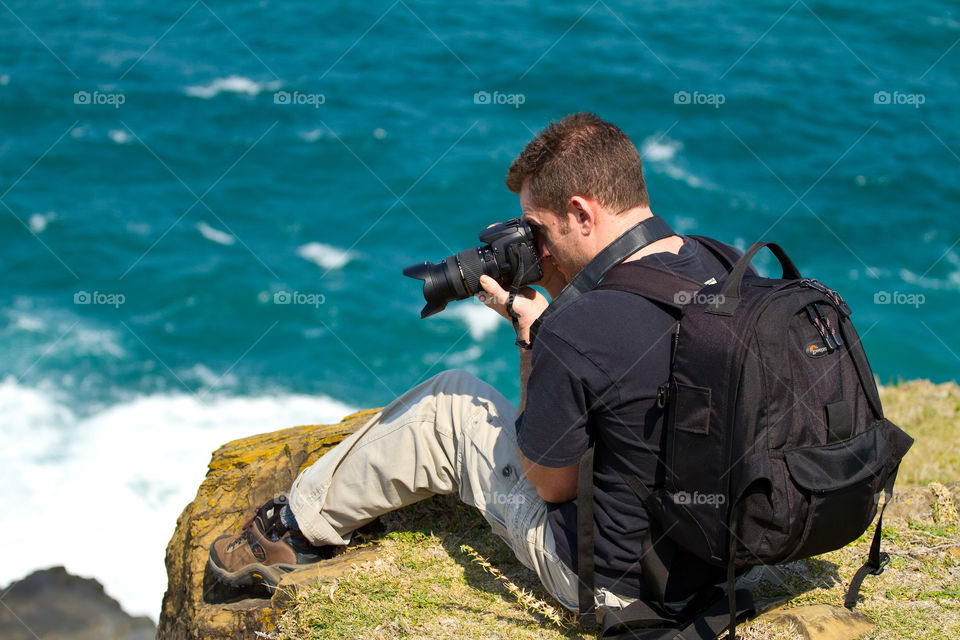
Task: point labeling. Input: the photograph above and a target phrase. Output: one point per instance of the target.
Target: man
(593, 372)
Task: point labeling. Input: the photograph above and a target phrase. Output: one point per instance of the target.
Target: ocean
(205, 208)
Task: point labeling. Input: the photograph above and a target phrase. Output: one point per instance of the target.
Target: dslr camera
(507, 255)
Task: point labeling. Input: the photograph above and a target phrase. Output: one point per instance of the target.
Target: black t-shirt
(597, 365)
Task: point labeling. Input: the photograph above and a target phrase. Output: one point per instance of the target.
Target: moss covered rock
(242, 475)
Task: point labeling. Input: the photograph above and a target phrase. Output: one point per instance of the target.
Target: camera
(507, 255)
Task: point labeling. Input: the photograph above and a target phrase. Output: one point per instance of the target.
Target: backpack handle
(730, 293)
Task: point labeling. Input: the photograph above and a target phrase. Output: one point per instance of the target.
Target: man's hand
(528, 304)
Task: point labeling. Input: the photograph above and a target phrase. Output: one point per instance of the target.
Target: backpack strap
(878, 560)
(645, 232)
(726, 254)
(859, 356)
(656, 284)
(658, 549)
(673, 291)
(585, 546)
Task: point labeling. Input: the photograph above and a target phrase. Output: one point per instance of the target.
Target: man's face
(555, 240)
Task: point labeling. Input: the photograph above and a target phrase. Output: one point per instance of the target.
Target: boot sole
(251, 574)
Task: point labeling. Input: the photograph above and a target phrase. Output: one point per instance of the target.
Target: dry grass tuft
(931, 414)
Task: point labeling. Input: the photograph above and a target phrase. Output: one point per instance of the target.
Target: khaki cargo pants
(451, 434)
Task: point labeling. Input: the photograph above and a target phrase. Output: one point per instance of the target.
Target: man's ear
(584, 213)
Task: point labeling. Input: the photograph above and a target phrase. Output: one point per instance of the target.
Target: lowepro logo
(816, 350)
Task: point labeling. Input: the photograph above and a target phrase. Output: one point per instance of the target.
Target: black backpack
(777, 448)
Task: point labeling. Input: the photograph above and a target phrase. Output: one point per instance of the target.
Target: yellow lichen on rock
(241, 475)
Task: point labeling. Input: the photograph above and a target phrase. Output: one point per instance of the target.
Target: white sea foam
(139, 228)
(950, 283)
(661, 152)
(96, 342)
(869, 272)
(101, 493)
(120, 136)
(79, 131)
(678, 173)
(230, 84)
(215, 235)
(312, 135)
(38, 221)
(464, 358)
(948, 22)
(685, 224)
(325, 255)
(479, 319)
(26, 322)
(208, 378)
(659, 149)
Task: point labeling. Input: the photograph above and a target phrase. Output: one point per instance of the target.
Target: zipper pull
(813, 314)
(827, 332)
(837, 338)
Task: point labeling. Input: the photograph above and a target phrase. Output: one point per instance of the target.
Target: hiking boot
(265, 550)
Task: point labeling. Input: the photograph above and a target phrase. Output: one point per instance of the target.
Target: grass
(430, 579)
(931, 414)
(427, 583)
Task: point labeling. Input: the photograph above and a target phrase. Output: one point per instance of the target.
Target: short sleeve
(552, 430)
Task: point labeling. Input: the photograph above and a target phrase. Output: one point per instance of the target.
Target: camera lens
(458, 276)
(441, 284)
(472, 266)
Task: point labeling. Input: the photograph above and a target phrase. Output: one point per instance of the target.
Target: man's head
(580, 155)
(575, 179)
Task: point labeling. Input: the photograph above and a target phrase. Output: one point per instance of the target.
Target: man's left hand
(528, 304)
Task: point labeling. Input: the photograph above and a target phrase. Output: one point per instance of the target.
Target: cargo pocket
(841, 481)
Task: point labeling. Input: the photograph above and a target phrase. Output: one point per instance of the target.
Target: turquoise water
(183, 164)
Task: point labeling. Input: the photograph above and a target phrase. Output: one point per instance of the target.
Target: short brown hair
(580, 155)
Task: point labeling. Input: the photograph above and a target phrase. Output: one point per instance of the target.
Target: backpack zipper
(816, 319)
(834, 297)
(831, 330)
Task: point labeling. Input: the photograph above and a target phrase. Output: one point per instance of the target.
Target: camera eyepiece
(508, 254)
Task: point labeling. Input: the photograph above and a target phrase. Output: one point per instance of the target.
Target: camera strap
(514, 288)
(637, 237)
